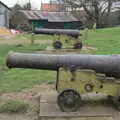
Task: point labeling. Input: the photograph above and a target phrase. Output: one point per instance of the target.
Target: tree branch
(101, 6)
(108, 7)
(88, 12)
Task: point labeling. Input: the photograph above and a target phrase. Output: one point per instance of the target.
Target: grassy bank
(18, 79)
(106, 41)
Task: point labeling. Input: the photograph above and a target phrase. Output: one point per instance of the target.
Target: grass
(107, 41)
(18, 79)
(14, 107)
(36, 37)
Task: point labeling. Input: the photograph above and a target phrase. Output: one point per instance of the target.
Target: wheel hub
(57, 44)
(69, 101)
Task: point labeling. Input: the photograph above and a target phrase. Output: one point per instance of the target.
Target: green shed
(39, 23)
(68, 25)
(51, 20)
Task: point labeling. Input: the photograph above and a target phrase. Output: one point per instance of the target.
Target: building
(52, 20)
(55, 7)
(4, 15)
(52, 6)
(47, 7)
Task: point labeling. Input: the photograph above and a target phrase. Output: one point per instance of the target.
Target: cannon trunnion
(76, 75)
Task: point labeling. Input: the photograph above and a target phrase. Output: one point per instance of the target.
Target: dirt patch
(51, 50)
(89, 48)
(30, 96)
(11, 40)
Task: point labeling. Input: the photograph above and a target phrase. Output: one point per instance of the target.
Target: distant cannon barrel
(107, 64)
(68, 32)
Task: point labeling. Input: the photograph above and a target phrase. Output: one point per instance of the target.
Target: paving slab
(49, 110)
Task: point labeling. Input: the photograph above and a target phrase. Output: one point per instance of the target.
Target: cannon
(72, 34)
(69, 32)
(76, 75)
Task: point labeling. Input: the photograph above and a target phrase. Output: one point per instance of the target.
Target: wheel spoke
(69, 100)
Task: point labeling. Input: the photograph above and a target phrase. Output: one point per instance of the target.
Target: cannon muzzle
(68, 32)
(106, 64)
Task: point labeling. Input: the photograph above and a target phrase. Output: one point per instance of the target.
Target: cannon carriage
(62, 36)
(76, 75)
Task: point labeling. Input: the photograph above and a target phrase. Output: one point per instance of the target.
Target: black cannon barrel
(107, 64)
(68, 32)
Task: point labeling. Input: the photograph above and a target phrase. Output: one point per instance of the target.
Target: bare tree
(27, 6)
(95, 9)
(15, 9)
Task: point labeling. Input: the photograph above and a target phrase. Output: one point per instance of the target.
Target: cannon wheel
(69, 100)
(117, 102)
(57, 45)
(78, 45)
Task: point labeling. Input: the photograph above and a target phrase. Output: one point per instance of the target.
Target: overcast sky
(35, 3)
